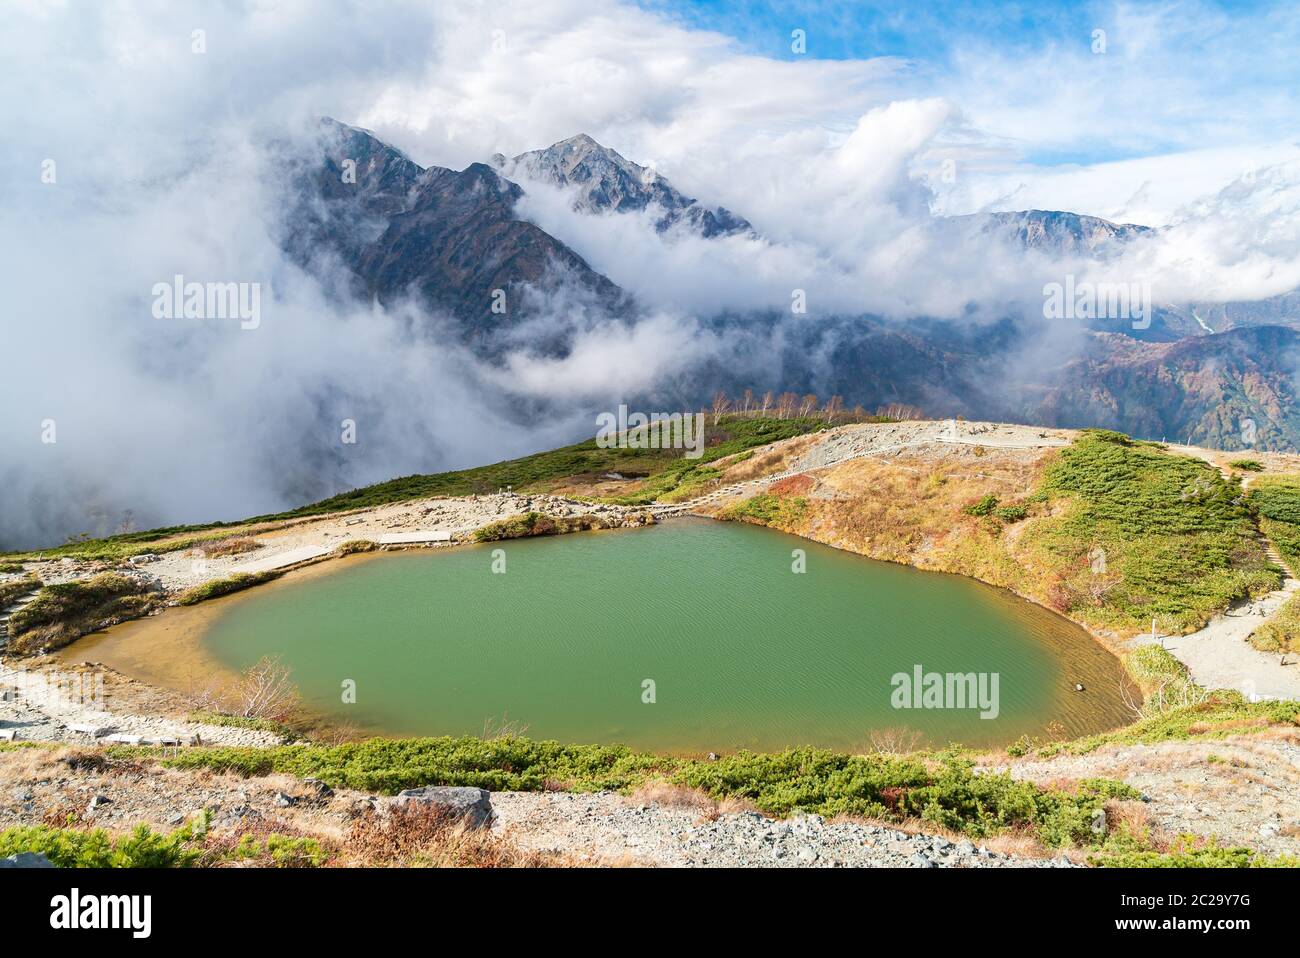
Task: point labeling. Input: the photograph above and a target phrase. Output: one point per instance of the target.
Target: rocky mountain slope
(605, 181)
(1054, 231)
(387, 228)
(450, 238)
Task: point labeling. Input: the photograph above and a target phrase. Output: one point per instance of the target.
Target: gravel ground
(592, 829)
(36, 784)
(608, 829)
(1243, 791)
(885, 438)
(44, 704)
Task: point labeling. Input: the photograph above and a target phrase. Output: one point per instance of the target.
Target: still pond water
(742, 652)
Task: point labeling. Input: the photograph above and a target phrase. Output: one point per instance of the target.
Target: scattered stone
(284, 801)
(87, 728)
(322, 790)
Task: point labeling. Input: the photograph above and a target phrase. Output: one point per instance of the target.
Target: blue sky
(1204, 74)
(858, 30)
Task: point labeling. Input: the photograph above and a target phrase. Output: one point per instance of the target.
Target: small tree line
(789, 405)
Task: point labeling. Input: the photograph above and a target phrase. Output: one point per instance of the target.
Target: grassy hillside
(1177, 539)
(1276, 501)
(1110, 531)
(666, 475)
(666, 471)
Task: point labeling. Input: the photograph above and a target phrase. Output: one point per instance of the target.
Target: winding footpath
(1218, 656)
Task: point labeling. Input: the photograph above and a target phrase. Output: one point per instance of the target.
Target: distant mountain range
(454, 241)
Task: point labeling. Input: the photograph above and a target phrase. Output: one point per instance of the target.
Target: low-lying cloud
(162, 164)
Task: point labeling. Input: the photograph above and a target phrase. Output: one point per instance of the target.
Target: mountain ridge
(603, 180)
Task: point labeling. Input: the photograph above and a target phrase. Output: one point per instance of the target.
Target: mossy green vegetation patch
(1187, 851)
(780, 512)
(219, 587)
(96, 848)
(1276, 501)
(1142, 534)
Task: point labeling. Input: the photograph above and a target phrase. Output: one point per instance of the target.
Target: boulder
(472, 806)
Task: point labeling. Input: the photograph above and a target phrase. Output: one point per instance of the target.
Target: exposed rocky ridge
(1055, 231)
(603, 180)
(451, 238)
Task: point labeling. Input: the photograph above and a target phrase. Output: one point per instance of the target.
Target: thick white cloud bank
(134, 140)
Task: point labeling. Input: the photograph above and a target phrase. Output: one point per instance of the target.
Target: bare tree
(808, 405)
(720, 405)
(263, 691)
(834, 406)
(786, 404)
(748, 401)
(900, 411)
(767, 402)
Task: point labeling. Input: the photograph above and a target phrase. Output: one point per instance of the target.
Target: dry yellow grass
(693, 799)
(766, 462)
(910, 509)
(417, 837)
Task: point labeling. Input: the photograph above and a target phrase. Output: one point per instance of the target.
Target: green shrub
(1187, 851)
(1011, 513)
(281, 851)
(945, 791)
(353, 546)
(984, 507)
(782, 512)
(1247, 465)
(220, 587)
(1276, 500)
(95, 848)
